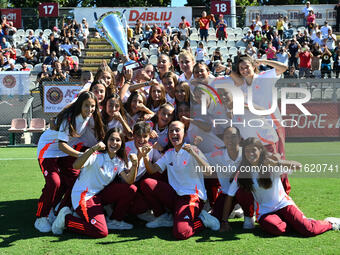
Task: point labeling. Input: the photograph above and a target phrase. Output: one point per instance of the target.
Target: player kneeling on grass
(276, 212)
(185, 194)
(94, 189)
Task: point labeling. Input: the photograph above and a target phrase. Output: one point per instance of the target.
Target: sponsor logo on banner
(9, 81)
(149, 16)
(324, 12)
(324, 122)
(54, 95)
(13, 15)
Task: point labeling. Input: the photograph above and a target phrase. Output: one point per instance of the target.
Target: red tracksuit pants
(59, 177)
(94, 223)
(186, 209)
(290, 217)
(242, 197)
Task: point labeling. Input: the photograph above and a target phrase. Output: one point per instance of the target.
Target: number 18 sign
(220, 7)
(48, 10)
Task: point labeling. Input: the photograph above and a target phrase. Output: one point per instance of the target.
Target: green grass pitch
(21, 182)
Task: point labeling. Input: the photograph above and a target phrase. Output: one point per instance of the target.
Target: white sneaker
(51, 216)
(237, 212)
(147, 216)
(335, 222)
(59, 223)
(43, 225)
(209, 221)
(249, 223)
(115, 224)
(165, 220)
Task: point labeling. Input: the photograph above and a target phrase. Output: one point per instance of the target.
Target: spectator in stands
(293, 48)
(283, 55)
(58, 74)
(44, 75)
(287, 32)
(305, 11)
(280, 27)
(184, 21)
(2, 34)
(24, 67)
(310, 20)
(336, 64)
(12, 53)
(265, 28)
(30, 37)
(316, 51)
(305, 57)
(12, 66)
(276, 41)
(305, 38)
(250, 49)
(187, 47)
(325, 29)
(168, 30)
(318, 38)
(249, 37)
(221, 28)
(184, 31)
(75, 73)
(330, 40)
(40, 38)
(45, 48)
(3, 60)
(291, 73)
(263, 45)
(138, 27)
(326, 62)
(75, 50)
(54, 44)
(258, 24)
(30, 57)
(37, 49)
(56, 32)
(4, 24)
(271, 51)
(217, 56)
(165, 46)
(66, 46)
(147, 33)
(337, 9)
(10, 31)
(204, 26)
(49, 60)
(154, 38)
(5, 46)
(201, 52)
(258, 39)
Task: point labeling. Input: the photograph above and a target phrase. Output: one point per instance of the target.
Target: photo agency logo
(243, 105)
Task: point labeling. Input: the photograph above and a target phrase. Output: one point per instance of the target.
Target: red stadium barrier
(324, 121)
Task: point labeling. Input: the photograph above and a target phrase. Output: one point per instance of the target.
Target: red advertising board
(13, 15)
(324, 121)
(220, 7)
(48, 10)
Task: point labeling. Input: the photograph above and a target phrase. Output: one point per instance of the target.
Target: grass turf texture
(21, 182)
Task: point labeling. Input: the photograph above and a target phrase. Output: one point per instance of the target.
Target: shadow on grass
(16, 221)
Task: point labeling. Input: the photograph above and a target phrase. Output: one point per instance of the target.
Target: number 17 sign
(48, 10)
(220, 7)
